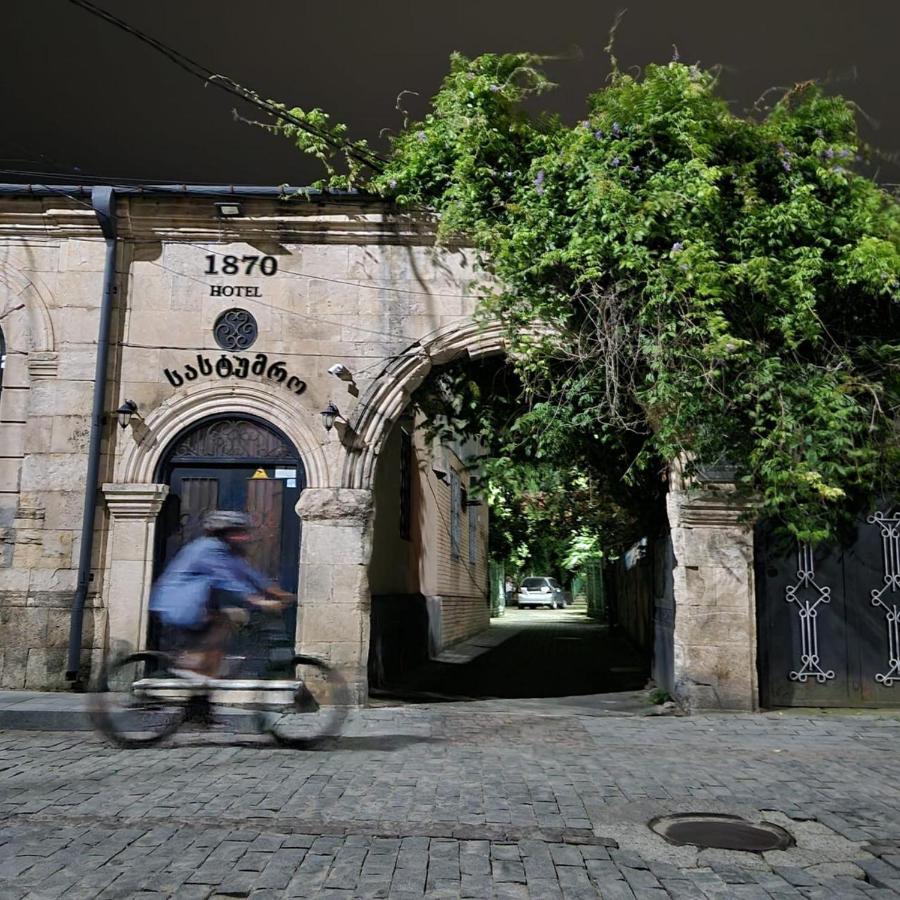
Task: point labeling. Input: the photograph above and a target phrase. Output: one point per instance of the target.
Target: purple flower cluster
(786, 157)
(677, 247)
(830, 153)
(421, 136)
(539, 182)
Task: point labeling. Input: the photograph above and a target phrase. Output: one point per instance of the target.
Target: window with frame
(405, 484)
(455, 515)
(473, 534)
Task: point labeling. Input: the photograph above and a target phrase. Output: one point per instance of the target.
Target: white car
(541, 592)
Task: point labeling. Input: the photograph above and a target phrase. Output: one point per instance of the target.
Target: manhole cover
(721, 832)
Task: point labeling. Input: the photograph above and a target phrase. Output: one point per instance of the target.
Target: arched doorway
(241, 463)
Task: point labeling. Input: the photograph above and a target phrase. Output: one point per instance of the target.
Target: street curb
(22, 718)
(44, 720)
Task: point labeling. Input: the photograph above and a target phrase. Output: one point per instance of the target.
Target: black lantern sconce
(329, 414)
(125, 413)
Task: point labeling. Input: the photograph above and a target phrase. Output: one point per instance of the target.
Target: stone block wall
(354, 285)
(714, 639)
(49, 302)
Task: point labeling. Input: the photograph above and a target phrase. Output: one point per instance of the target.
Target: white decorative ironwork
(890, 543)
(808, 610)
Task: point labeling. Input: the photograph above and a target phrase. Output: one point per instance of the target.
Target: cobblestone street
(498, 798)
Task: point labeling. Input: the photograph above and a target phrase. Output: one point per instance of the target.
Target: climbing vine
(723, 287)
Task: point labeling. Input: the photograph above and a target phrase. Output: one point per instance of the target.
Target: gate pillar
(715, 603)
(334, 599)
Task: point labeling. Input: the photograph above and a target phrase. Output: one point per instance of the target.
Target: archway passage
(440, 559)
(240, 463)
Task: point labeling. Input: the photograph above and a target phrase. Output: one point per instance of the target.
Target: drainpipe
(103, 199)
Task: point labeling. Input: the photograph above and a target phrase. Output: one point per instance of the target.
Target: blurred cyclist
(204, 592)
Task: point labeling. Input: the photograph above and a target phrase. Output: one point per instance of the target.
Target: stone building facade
(235, 317)
(223, 330)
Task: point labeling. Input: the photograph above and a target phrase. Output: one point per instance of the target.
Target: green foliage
(557, 497)
(585, 545)
(658, 696)
(314, 134)
(723, 288)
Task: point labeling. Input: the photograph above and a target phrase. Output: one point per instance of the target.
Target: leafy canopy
(557, 496)
(724, 287)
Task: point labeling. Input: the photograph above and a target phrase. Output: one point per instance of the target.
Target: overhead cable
(367, 157)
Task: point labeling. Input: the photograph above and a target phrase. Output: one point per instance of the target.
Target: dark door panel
(217, 466)
(828, 619)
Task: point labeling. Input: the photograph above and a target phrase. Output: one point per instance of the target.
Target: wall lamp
(125, 412)
(228, 210)
(339, 370)
(329, 414)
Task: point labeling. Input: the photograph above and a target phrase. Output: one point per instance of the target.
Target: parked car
(540, 591)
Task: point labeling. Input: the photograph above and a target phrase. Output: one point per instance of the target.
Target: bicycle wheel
(137, 701)
(317, 709)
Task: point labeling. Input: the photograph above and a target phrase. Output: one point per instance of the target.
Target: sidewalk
(523, 652)
(45, 711)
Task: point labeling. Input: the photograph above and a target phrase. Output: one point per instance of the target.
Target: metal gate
(829, 618)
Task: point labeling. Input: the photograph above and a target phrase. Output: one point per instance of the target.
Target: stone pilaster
(133, 510)
(715, 603)
(334, 599)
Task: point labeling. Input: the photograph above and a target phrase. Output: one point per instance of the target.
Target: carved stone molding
(29, 515)
(336, 220)
(191, 405)
(134, 501)
(388, 396)
(43, 364)
(712, 510)
(337, 506)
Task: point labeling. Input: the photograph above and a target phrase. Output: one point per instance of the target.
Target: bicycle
(139, 701)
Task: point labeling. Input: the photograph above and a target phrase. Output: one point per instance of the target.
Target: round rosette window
(235, 329)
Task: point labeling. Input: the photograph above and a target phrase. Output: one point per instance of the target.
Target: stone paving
(495, 799)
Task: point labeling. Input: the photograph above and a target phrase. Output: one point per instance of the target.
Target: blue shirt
(181, 595)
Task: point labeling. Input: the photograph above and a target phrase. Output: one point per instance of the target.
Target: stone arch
(391, 391)
(24, 313)
(141, 457)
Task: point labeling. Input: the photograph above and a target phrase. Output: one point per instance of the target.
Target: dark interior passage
(528, 653)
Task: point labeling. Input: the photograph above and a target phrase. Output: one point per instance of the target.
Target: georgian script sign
(234, 366)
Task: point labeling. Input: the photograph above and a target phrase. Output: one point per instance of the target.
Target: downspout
(103, 199)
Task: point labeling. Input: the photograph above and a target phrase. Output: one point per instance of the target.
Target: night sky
(83, 99)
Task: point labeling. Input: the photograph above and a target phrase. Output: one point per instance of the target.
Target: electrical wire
(357, 284)
(367, 157)
(409, 343)
(125, 181)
